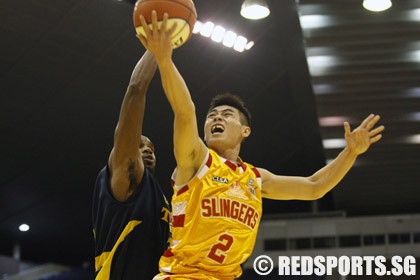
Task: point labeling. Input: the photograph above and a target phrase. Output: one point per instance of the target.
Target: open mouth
(217, 129)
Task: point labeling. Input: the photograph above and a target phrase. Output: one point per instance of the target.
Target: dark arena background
(314, 64)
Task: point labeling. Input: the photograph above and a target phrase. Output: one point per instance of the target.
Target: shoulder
(265, 175)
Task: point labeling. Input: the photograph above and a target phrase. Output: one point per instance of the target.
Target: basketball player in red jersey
(217, 198)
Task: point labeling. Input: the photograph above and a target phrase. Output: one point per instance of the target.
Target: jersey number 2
(217, 252)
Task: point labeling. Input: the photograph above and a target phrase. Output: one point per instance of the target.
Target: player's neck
(230, 154)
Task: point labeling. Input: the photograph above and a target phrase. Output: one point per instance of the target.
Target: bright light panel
(413, 139)
(332, 121)
(320, 64)
(219, 34)
(314, 21)
(240, 44)
(229, 39)
(197, 27)
(414, 15)
(334, 143)
(413, 92)
(207, 29)
(249, 45)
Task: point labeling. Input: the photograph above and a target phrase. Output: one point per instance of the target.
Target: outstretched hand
(158, 36)
(360, 139)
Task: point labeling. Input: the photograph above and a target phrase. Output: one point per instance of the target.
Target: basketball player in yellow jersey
(217, 199)
(227, 197)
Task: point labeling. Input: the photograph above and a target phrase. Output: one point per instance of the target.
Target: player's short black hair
(233, 101)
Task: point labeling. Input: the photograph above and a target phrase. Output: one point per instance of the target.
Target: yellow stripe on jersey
(104, 261)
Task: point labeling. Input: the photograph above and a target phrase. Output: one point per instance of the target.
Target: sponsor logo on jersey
(220, 180)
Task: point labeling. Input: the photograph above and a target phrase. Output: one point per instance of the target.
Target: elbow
(318, 191)
(318, 194)
(317, 188)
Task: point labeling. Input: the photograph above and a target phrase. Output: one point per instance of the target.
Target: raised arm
(125, 161)
(189, 149)
(321, 182)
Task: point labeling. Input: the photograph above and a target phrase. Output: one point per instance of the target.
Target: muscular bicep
(189, 149)
(287, 187)
(125, 175)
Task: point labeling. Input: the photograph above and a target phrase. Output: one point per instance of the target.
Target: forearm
(132, 108)
(317, 185)
(189, 150)
(129, 127)
(176, 90)
(143, 73)
(329, 176)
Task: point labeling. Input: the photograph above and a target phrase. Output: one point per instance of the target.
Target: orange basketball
(182, 12)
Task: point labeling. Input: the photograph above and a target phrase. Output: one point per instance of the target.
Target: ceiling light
(321, 64)
(240, 44)
(207, 29)
(229, 39)
(333, 121)
(412, 139)
(197, 27)
(315, 21)
(23, 227)
(249, 45)
(413, 117)
(414, 15)
(412, 92)
(254, 9)
(335, 143)
(219, 34)
(377, 5)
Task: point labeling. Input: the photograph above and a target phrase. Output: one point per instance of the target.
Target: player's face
(223, 127)
(147, 153)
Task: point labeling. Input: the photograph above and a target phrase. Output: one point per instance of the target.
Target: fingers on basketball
(182, 16)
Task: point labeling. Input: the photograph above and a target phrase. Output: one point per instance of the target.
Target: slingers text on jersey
(216, 207)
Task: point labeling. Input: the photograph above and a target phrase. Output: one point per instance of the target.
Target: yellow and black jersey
(130, 236)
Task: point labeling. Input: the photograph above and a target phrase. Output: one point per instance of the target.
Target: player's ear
(246, 131)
